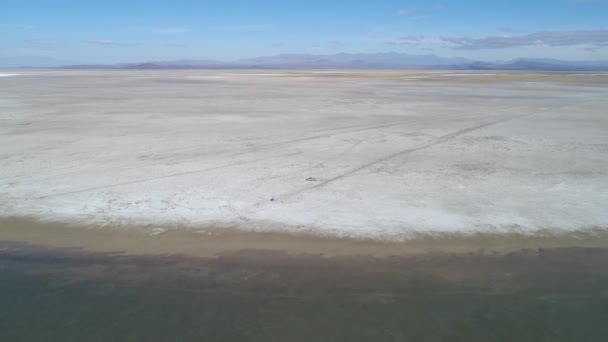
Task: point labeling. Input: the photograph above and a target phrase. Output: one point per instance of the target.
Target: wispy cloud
(43, 44)
(247, 27)
(588, 1)
(175, 45)
(170, 30)
(555, 38)
(157, 29)
(104, 42)
(409, 11)
(17, 26)
(328, 46)
(334, 44)
(589, 40)
(407, 40)
(403, 11)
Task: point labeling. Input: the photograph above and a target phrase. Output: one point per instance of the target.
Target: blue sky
(127, 31)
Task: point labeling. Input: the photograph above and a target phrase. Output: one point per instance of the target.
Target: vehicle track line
(319, 136)
(262, 147)
(163, 177)
(359, 168)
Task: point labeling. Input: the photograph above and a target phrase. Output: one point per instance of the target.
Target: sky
(110, 31)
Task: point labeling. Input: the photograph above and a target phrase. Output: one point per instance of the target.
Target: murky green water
(535, 295)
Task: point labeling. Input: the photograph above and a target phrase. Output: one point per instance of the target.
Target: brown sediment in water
(59, 294)
(61, 282)
(211, 241)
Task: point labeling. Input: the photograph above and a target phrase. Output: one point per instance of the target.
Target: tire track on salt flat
(259, 148)
(321, 136)
(164, 177)
(351, 172)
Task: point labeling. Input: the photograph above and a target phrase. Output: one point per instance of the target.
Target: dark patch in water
(251, 295)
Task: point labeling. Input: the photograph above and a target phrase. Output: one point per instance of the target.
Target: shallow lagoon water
(252, 295)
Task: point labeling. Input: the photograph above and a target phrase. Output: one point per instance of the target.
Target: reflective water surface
(558, 294)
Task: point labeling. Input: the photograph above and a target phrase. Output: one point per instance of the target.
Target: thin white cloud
(403, 12)
(549, 38)
(17, 26)
(248, 27)
(105, 42)
(42, 44)
(157, 30)
(586, 38)
(407, 40)
(409, 11)
(588, 1)
(171, 30)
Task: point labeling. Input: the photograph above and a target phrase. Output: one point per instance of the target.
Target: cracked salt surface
(389, 156)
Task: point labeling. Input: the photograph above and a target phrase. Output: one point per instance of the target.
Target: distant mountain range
(32, 62)
(389, 60)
